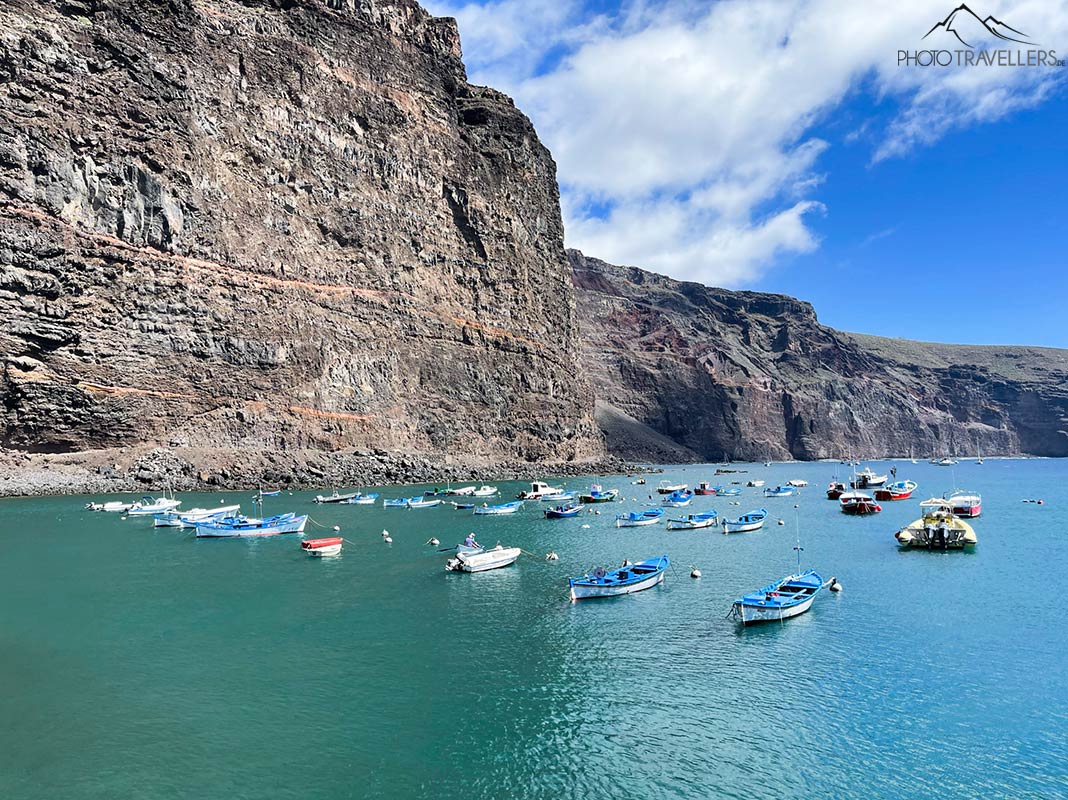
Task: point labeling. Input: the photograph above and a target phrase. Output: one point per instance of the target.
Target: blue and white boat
(753, 521)
(727, 491)
(564, 511)
(637, 519)
(503, 508)
(627, 579)
(335, 497)
(361, 500)
(422, 502)
(193, 517)
(706, 519)
(149, 507)
(779, 491)
(565, 497)
(234, 527)
(272, 493)
(789, 597)
(598, 494)
(679, 499)
(399, 502)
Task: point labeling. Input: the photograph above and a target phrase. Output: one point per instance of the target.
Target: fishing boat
(149, 507)
(537, 491)
(797, 483)
(628, 579)
(361, 500)
(667, 487)
(193, 517)
(400, 502)
(899, 490)
(486, 560)
(728, 491)
(335, 497)
(835, 490)
(322, 547)
(704, 488)
(858, 504)
(563, 497)
(753, 521)
(778, 601)
(465, 491)
(867, 479)
(565, 511)
(598, 495)
(705, 519)
(463, 506)
(111, 507)
(780, 491)
(503, 508)
(638, 519)
(966, 504)
(484, 491)
(422, 502)
(240, 526)
(754, 484)
(272, 493)
(678, 499)
(937, 528)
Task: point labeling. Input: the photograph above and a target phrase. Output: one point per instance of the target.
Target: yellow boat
(937, 529)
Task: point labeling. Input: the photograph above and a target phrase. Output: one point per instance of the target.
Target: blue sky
(776, 145)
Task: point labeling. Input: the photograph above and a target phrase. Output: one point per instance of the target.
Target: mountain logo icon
(970, 29)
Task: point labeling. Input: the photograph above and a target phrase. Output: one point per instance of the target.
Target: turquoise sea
(137, 663)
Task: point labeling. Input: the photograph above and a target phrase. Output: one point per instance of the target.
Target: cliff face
(755, 376)
(249, 225)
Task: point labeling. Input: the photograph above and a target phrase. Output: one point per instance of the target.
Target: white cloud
(683, 130)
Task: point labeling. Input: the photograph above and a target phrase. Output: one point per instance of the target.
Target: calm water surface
(145, 664)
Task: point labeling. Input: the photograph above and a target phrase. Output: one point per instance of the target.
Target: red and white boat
(899, 490)
(835, 490)
(858, 504)
(704, 488)
(322, 547)
(966, 504)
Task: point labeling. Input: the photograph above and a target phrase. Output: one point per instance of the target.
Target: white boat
(867, 479)
(415, 502)
(361, 500)
(147, 507)
(666, 487)
(464, 491)
(755, 484)
(705, 519)
(638, 519)
(192, 517)
(112, 506)
(485, 491)
(335, 497)
(537, 491)
(753, 521)
(482, 561)
(943, 462)
(797, 483)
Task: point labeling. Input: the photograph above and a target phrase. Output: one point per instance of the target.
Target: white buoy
(337, 528)
(695, 573)
(782, 522)
(432, 541)
(598, 513)
(796, 505)
(551, 556)
(835, 585)
(585, 526)
(385, 533)
(387, 540)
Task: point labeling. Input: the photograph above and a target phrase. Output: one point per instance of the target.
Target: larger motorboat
(937, 528)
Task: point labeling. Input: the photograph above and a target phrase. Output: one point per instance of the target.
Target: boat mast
(797, 531)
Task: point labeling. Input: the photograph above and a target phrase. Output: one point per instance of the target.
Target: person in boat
(893, 472)
(470, 541)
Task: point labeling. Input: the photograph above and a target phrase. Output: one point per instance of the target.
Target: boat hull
(483, 561)
(742, 527)
(690, 524)
(636, 523)
(754, 615)
(295, 525)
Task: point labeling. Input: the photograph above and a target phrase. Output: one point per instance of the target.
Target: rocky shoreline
(149, 470)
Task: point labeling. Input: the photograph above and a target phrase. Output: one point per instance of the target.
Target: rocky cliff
(687, 371)
(238, 227)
